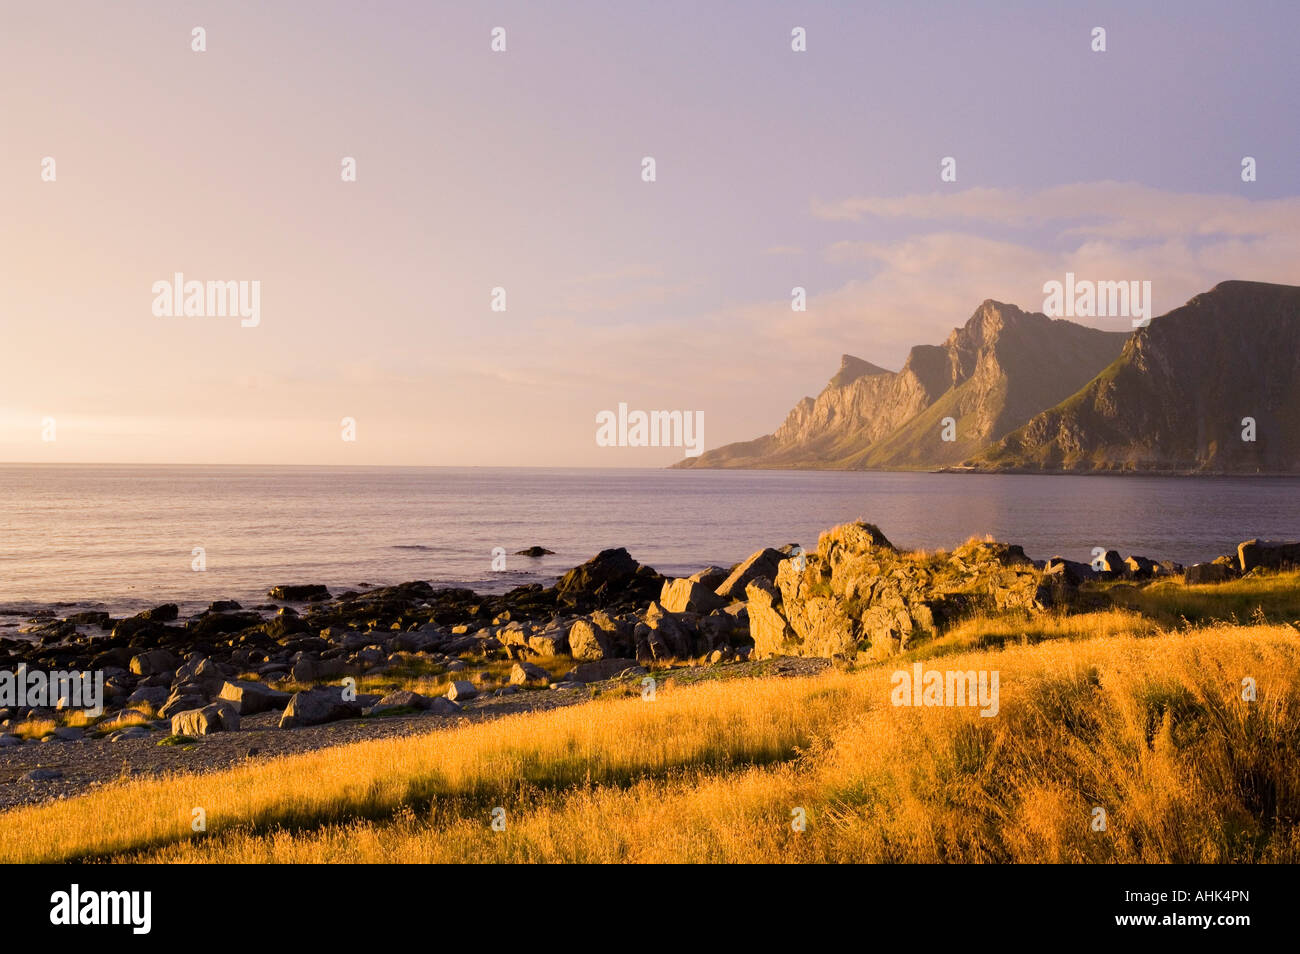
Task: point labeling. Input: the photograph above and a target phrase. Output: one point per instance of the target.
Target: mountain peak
(851, 369)
(1209, 387)
(991, 375)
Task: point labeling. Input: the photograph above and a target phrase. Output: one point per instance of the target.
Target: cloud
(1124, 210)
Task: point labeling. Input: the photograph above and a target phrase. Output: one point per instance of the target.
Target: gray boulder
(528, 674)
(602, 669)
(217, 717)
(180, 702)
(1208, 573)
(250, 698)
(148, 695)
(311, 669)
(1268, 554)
(406, 699)
(598, 636)
(315, 706)
(461, 691)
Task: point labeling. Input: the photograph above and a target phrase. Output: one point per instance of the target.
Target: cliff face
(1175, 399)
(990, 376)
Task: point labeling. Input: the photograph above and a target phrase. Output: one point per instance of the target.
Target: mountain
(1175, 398)
(990, 376)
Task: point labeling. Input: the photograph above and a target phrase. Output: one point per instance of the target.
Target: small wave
(411, 546)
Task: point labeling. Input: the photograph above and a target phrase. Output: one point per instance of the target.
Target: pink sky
(522, 169)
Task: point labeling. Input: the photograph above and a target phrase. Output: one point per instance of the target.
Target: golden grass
(428, 677)
(989, 631)
(35, 728)
(604, 741)
(1153, 730)
(1262, 597)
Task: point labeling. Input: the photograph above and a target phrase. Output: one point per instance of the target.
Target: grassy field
(1100, 711)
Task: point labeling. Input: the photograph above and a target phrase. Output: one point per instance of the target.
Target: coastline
(416, 657)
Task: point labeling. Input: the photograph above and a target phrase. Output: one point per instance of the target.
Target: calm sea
(123, 537)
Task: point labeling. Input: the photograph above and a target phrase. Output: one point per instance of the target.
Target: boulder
(688, 596)
(461, 690)
(310, 669)
(153, 696)
(676, 633)
(160, 614)
(417, 642)
(724, 627)
(1140, 568)
(527, 674)
(1208, 573)
(212, 624)
(822, 622)
(180, 702)
(250, 698)
(601, 669)
(711, 577)
(1268, 554)
(512, 634)
(768, 627)
(553, 643)
(765, 562)
(285, 625)
(598, 636)
(587, 641)
(534, 552)
(315, 706)
(403, 699)
(217, 717)
(1112, 563)
(606, 570)
(117, 656)
(153, 662)
(1068, 571)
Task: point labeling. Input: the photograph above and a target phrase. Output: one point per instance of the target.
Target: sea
(124, 538)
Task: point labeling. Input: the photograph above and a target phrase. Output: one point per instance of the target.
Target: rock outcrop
(857, 596)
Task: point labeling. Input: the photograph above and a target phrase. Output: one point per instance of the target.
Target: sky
(522, 169)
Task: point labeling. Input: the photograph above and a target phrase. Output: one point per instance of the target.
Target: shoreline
(234, 682)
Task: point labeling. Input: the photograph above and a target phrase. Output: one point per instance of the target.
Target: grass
(1150, 726)
(35, 728)
(428, 677)
(990, 631)
(1262, 597)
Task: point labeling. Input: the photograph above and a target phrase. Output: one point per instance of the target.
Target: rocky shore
(310, 668)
